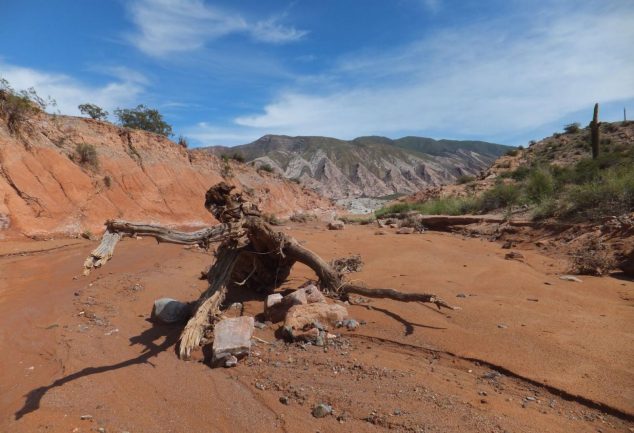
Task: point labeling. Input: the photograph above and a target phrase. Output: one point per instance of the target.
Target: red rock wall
(43, 192)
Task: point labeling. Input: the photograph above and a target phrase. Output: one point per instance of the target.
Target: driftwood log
(250, 256)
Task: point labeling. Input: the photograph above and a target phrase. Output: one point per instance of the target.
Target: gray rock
(167, 310)
(285, 400)
(85, 417)
(502, 326)
(232, 337)
(350, 324)
(313, 294)
(230, 361)
(570, 278)
(405, 231)
(322, 410)
(461, 295)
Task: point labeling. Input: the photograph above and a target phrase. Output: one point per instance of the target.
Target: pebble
(502, 326)
(322, 410)
(259, 325)
(231, 361)
(461, 295)
(85, 417)
(285, 400)
(101, 430)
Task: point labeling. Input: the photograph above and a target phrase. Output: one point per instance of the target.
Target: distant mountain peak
(368, 166)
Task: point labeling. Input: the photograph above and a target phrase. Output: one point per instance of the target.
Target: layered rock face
(367, 166)
(45, 190)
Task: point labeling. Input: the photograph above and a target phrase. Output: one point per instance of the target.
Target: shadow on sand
(409, 326)
(147, 338)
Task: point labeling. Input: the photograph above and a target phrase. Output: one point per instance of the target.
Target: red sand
(73, 347)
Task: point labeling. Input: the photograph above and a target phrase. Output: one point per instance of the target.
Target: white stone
(232, 337)
(273, 299)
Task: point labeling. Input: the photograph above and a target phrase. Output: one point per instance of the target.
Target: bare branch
(116, 229)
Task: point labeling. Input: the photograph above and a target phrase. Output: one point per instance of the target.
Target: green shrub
(94, 111)
(572, 128)
(266, 167)
(440, 206)
(520, 173)
(144, 118)
(16, 107)
(611, 193)
(394, 209)
(238, 157)
(540, 184)
(87, 155)
(462, 179)
(547, 208)
(500, 196)
(512, 152)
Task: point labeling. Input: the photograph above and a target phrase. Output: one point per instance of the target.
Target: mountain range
(371, 166)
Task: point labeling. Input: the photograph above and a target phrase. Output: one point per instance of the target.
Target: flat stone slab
(232, 337)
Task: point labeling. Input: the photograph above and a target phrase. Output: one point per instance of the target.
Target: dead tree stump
(250, 256)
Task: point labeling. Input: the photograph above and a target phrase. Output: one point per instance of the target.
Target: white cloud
(487, 80)
(69, 92)
(169, 26)
(272, 31)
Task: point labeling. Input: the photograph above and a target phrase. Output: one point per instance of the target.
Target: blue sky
(228, 72)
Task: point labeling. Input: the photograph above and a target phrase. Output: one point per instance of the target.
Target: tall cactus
(594, 132)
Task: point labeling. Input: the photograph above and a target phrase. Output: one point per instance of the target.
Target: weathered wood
(103, 252)
(208, 306)
(251, 256)
(116, 229)
(396, 295)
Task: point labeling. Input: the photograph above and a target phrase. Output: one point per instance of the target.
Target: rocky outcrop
(367, 166)
(140, 176)
(627, 265)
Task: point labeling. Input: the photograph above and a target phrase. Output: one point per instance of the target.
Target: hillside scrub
(145, 118)
(588, 190)
(17, 106)
(94, 111)
(87, 155)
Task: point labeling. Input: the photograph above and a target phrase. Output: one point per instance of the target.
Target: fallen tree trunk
(251, 256)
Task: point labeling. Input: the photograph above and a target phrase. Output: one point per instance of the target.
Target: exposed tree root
(251, 256)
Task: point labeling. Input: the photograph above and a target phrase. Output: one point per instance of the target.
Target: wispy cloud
(69, 92)
(164, 27)
(487, 80)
